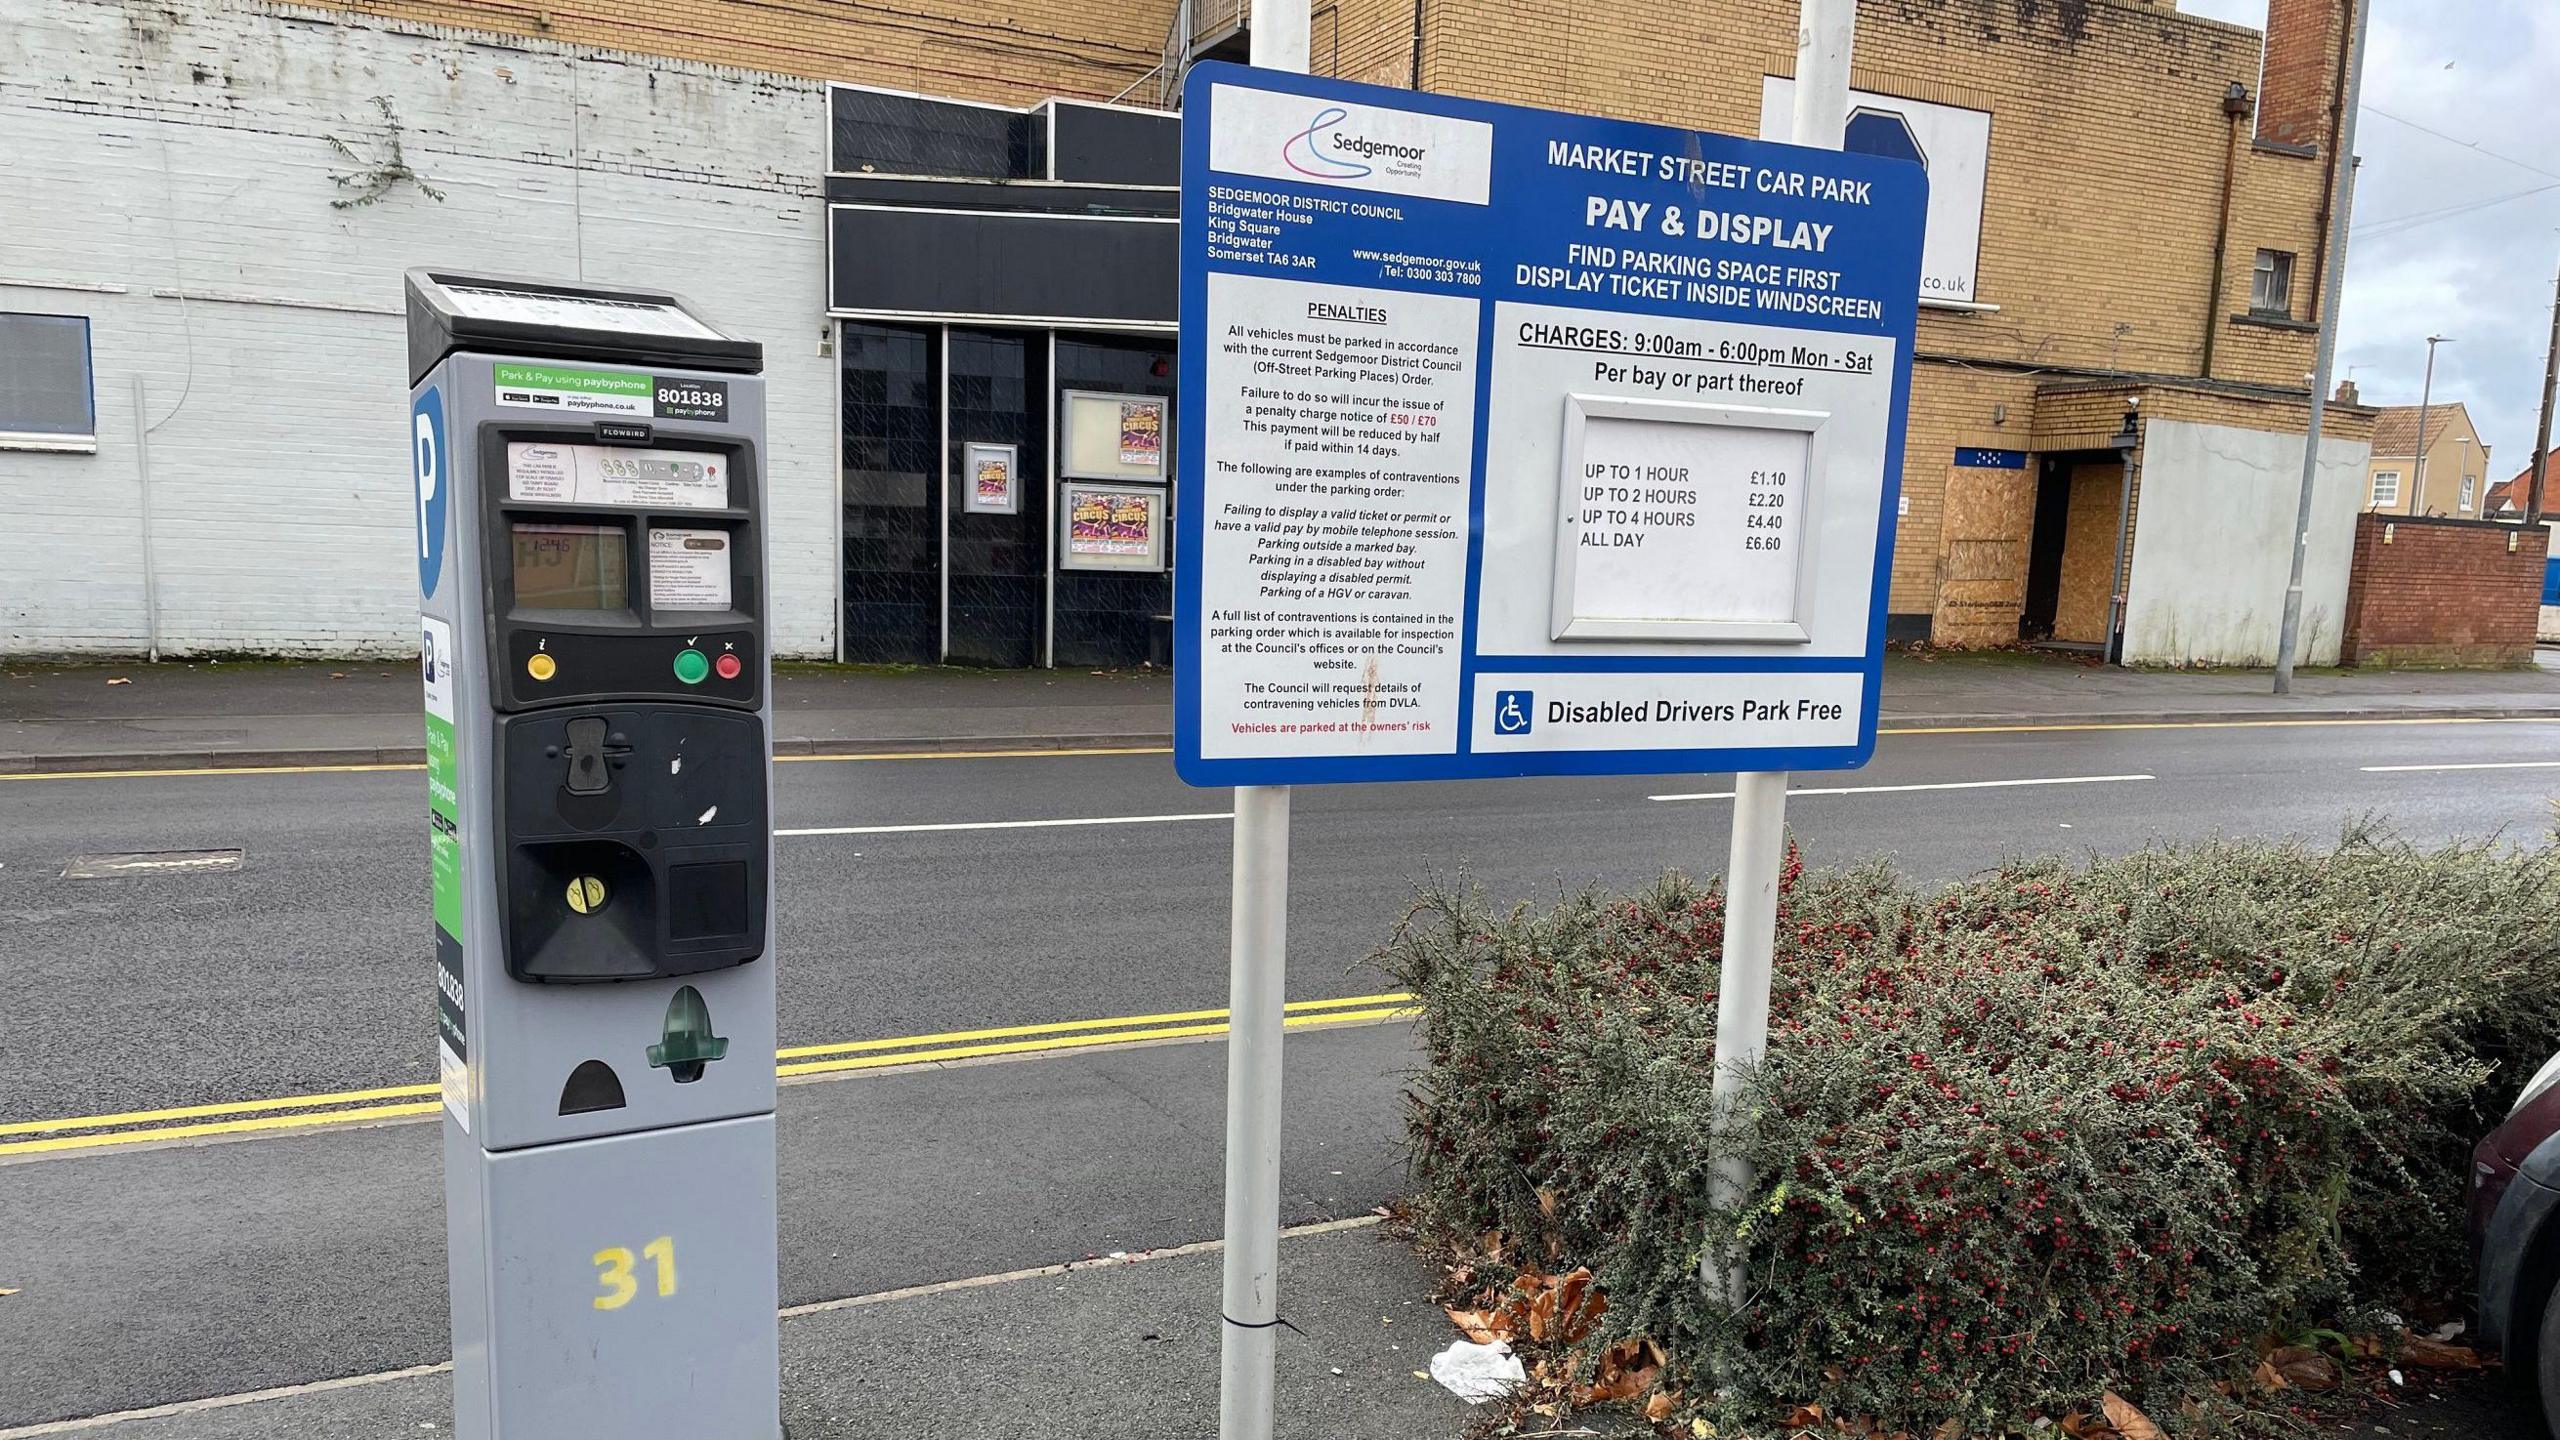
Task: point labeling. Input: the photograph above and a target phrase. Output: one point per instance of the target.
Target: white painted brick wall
(149, 147)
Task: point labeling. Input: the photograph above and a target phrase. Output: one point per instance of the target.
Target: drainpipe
(2235, 107)
(1414, 82)
(142, 482)
(2126, 440)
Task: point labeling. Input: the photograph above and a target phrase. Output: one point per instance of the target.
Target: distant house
(2506, 499)
(2443, 476)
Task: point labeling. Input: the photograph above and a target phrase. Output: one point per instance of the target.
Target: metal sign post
(591, 564)
(1826, 36)
(1517, 443)
(1257, 1008)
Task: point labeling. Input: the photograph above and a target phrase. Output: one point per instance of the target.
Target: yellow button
(541, 666)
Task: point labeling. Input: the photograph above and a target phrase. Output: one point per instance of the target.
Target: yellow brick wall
(1012, 52)
(2109, 147)
(1371, 41)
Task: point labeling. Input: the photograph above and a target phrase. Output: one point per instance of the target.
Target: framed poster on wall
(1111, 527)
(991, 477)
(1110, 436)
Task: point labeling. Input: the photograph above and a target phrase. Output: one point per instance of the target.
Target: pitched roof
(2516, 487)
(2395, 430)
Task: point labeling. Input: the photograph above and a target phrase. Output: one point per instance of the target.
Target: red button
(728, 666)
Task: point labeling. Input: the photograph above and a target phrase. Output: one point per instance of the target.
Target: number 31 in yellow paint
(616, 1279)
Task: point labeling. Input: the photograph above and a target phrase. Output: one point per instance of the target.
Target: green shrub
(2051, 1131)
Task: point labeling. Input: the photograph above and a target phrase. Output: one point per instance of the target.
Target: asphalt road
(155, 1274)
(307, 968)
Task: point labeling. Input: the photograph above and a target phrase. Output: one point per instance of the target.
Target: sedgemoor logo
(1325, 151)
(1315, 163)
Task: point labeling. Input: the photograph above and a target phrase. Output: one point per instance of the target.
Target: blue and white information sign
(1524, 443)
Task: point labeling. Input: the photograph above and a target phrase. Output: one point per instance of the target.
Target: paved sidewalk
(1109, 1350)
(65, 717)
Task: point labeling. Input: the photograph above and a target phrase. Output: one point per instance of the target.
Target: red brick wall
(2304, 40)
(2443, 592)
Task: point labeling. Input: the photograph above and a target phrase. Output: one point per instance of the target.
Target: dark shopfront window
(1107, 618)
(892, 515)
(999, 562)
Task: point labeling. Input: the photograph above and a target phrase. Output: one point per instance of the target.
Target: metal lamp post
(2426, 394)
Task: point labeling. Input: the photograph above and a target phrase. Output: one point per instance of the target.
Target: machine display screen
(572, 567)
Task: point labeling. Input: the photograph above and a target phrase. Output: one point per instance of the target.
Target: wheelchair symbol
(1513, 712)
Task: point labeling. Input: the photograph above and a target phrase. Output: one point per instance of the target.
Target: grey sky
(2477, 71)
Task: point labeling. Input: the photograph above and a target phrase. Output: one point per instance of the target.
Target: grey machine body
(593, 598)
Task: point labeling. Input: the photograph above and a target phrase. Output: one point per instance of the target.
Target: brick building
(2125, 249)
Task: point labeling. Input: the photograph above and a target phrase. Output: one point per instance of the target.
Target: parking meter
(590, 486)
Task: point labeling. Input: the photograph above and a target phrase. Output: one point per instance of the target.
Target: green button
(691, 666)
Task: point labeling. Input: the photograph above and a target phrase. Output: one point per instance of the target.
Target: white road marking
(1002, 824)
(2482, 765)
(793, 1312)
(1941, 785)
(218, 1402)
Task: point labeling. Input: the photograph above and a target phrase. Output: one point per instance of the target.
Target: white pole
(1257, 992)
(1257, 996)
(1826, 35)
(1742, 992)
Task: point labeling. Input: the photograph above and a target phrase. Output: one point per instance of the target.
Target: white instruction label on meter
(688, 569)
(542, 472)
(616, 475)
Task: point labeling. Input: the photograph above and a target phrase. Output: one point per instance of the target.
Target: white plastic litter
(1477, 1373)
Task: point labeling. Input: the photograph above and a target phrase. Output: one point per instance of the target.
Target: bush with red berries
(2059, 1130)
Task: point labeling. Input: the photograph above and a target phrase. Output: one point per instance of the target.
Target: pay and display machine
(593, 602)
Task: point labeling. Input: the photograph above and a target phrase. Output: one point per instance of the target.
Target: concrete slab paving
(1119, 1350)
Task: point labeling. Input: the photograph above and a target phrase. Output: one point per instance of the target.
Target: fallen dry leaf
(2078, 1424)
(2429, 1354)
(1568, 1298)
(1480, 1326)
(2304, 1369)
(1804, 1417)
(2267, 1377)
(1659, 1408)
(1951, 1430)
(1627, 1369)
(2129, 1421)
(1542, 1316)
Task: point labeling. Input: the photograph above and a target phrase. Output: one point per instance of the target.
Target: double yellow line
(408, 1102)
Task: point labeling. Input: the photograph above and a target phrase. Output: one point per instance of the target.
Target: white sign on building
(1953, 143)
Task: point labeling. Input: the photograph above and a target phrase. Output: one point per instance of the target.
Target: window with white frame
(2470, 490)
(46, 397)
(2386, 489)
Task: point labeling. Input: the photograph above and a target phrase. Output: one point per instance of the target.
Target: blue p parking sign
(431, 469)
